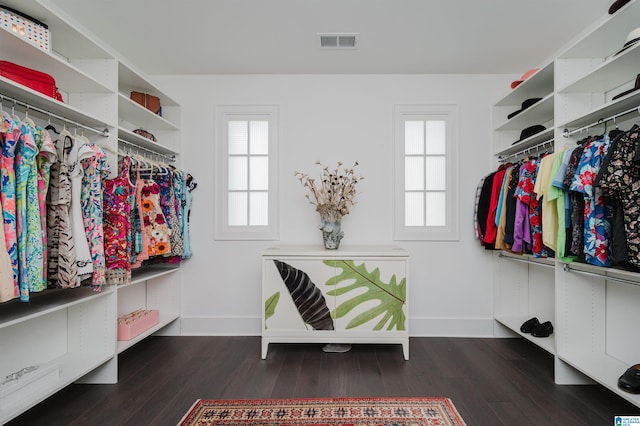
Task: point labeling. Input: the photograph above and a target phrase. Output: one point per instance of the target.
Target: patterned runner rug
(324, 411)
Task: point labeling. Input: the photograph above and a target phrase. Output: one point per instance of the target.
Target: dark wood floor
(491, 381)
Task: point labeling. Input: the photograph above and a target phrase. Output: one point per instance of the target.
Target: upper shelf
(610, 74)
(140, 116)
(608, 36)
(539, 85)
(129, 80)
(68, 78)
(538, 113)
(31, 97)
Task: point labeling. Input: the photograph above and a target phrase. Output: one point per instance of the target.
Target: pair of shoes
(630, 380)
(544, 329)
(529, 325)
(536, 328)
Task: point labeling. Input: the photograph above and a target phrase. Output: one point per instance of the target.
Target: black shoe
(542, 330)
(529, 325)
(630, 380)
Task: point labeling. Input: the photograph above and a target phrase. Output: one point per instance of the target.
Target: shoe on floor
(528, 325)
(630, 380)
(542, 330)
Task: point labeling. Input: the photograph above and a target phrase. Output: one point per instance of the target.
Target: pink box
(136, 322)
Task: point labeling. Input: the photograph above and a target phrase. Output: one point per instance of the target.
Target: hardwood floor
(491, 381)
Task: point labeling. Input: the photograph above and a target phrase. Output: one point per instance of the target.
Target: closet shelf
(130, 80)
(68, 77)
(539, 85)
(604, 111)
(46, 302)
(528, 143)
(71, 367)
(513, 322)
(138, 140)
(17, 91)
(539, 113)
(609, 75)
(140, 116)
(149, 272)
(602, 368)
(528, 258)
(604, 37)
(165, 319)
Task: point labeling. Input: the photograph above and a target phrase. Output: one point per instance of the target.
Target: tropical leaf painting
(270, 306)
(391, 296)
(308, 298)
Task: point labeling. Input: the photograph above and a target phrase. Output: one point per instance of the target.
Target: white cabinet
(350, 295)
(71, 334)
(593, 309)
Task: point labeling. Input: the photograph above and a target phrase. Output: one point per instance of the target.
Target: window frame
(401, 114)
(222, 229)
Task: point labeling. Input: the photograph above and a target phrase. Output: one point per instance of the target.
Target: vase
(330, 225)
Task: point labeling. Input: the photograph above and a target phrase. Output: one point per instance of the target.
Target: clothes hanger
(27, 119)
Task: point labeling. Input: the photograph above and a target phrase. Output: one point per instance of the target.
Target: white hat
(632, 38)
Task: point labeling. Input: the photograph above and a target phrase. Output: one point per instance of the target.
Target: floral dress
(117, 226)
(96, 170)
(47, 155)
(11, 134)
(30, 252)
(526, 194)
(154, 221)
(168, 204)
(597, 211)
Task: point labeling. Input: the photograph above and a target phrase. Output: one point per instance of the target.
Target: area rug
(324, 411)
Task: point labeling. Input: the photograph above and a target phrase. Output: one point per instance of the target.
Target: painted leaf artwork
(270, 306)
(308, 298)
(354, 278)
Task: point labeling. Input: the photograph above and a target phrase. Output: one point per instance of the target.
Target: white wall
(336, 118)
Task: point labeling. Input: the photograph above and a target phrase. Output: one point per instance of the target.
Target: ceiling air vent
(337, 41)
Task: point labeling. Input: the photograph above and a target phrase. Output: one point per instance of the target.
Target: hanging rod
(567, 268)
(535, 148)
(566, 133)
(101, 132)
(517, 259)
(138, 148)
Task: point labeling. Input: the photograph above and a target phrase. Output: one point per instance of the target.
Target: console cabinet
(350, 295)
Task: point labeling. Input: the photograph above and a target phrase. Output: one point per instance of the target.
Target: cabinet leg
(265, 348)
(405, 351)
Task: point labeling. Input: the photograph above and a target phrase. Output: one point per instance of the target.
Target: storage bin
(27, 28)
(136, 322)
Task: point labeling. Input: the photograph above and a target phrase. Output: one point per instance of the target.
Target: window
(425, 172)
(246, 173)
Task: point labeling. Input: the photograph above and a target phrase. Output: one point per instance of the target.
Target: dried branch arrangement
(336, 187)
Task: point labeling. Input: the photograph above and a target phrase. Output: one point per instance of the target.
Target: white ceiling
(280, 36)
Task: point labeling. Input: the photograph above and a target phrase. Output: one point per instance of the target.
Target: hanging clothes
(63, 271)
(47, 156)
(117, 236)
(95, 170)
(154, 220)
(30, 250)
(10, 135)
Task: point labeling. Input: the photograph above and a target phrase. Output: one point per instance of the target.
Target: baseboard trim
(418, 327)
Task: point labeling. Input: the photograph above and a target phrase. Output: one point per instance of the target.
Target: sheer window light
(425, 180)
(246, 170)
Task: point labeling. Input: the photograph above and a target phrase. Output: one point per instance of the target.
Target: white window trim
(401, 113)
(222, 231)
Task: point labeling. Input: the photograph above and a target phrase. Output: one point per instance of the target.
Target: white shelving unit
(593, 309)
(71, 334)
